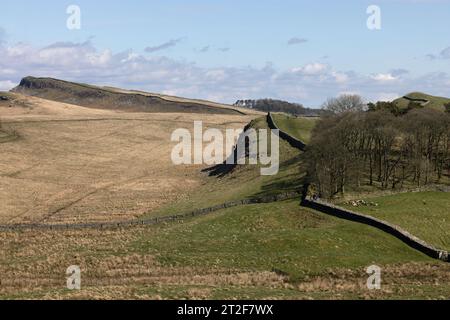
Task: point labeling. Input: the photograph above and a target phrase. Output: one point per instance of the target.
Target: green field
(280, 236)
(245, 181)
(264, 251)
(298, 127)
(283, 237)
(424, 214)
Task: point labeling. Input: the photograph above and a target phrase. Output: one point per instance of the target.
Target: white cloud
(349, 93)
(311, 69)
(310, 84)
(6, 85)
(383, 77)
(340, 77)
(18, 50)
(216, 75)
(387, 96)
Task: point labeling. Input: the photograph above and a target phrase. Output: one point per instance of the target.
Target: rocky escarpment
(105, 98)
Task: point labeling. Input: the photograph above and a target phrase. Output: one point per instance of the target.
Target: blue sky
(227, 50)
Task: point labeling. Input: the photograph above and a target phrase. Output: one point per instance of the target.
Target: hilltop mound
(115, 99)
(424, 99)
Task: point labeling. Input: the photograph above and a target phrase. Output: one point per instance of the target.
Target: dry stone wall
(294, 142)
(342, 213)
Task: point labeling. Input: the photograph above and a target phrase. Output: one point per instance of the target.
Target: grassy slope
(155, 261)
(299, 128)
(280, 236)
(266, 236)
(424, 214)
(245, 181)
(226, 255)
(435, 102)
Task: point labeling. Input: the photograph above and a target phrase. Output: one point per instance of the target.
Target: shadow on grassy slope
(225, 183)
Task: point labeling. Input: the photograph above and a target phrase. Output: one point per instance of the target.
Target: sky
(225, 50)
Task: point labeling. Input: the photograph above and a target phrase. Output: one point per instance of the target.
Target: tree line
(354, 147)
(272, 105)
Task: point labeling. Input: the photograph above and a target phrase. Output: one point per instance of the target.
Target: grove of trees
(272, 105)
(351, 149)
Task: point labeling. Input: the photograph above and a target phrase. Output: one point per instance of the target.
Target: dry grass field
(78, 164)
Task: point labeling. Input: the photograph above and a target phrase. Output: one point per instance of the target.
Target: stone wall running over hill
(294, 142)
(306, 201)
(394, 230)
(151, 221)
(333, 210)
(422, 102)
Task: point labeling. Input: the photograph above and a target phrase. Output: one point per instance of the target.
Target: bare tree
(344, 103)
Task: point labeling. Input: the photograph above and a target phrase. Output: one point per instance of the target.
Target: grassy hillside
(297, 127)
(424, 214)
(75, 164)
(434, 102)
(244, 181)
(115, 99)
(275, 250)
(280, 236)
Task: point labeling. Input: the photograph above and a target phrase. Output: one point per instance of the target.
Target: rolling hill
(260, 251)
(117, 99)
(425, 100)
(298, 127)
